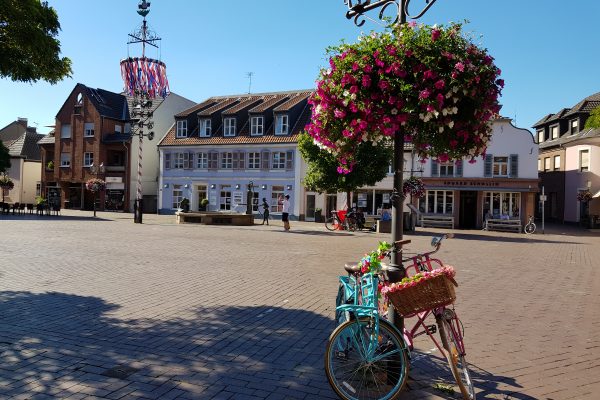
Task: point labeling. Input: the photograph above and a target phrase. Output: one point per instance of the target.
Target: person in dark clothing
(265, 207)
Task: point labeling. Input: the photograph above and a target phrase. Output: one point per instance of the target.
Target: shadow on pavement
(51, 218)
(58, 344)
(518, 238)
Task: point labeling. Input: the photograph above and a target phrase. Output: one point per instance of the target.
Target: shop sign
(471, 184)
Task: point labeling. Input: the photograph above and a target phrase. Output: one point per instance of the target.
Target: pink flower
(383, 85)
(430, 108)
(424, 94)
(435, 34)
(339, 113)
(440, 84)
(429, 74)
(412, 24)
(366, 81)
(368, 69)
(460, 66)
(355, 67)
(500, 82)
(440, 100)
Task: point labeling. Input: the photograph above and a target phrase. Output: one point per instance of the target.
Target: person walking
(285, 213)
(265, 207)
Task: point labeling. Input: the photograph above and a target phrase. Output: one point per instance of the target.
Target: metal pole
(138, 197)
(543, 208)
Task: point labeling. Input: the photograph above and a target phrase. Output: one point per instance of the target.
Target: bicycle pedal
(432, 329)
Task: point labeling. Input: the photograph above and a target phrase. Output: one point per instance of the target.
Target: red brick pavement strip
(225, 312)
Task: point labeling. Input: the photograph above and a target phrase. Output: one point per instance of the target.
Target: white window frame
(557, 161)
(278, 159)
(88, 159)
(229, 127)
(257, 126)
(281, 124)
(65, 131)
(446, 169)
(177, 196)
(574, 126)
(540, 165)
(500, 166)
(226, 160)
(65, 160)
(202, 160)
(254, 160)
(512, 199)
(205, 127)
(277, 192)
(540, 134)
(88, 129)
(547, 164)
(225, 197)
(447, 207)
(554, 132)
(181, 131)
(178, 160)
(582, 167)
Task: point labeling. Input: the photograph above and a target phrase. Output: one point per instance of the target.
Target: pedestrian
(285, 213)
(265, 207)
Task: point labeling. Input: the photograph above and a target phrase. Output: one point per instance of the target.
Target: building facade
(569, 162)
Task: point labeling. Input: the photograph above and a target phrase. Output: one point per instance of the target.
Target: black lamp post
(96, 170)
(356, 11)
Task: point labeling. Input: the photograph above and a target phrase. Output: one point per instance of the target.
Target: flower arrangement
(429, 83)
(371, 262)
(6, 183)
(584, 196)
(95, 185)
(414, 186)
(415, 279)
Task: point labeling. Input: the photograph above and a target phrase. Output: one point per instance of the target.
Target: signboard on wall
(386, 198)
(362, 200)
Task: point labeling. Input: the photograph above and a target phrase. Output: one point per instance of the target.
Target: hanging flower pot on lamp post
(6, 184)
(96, 185)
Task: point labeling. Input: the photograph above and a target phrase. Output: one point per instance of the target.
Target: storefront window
(177, 196)
(225, 197)
(202, 194)
(276, 194)
(502, 205)
(437, 202)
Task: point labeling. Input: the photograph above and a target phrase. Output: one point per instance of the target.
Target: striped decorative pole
(138, 196)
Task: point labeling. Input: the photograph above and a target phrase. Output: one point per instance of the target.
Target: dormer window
(181, 129)
(281, 125)
(229, 129)
(256, 126)
(88, 129)
(540, 134)
(554, 132)
(205, 127)
(78, 104)
(574, 126)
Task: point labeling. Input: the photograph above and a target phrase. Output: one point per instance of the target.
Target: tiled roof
(584, 106)
(196, 108)
(565, 139)
(244, 104)
(26, 146)
(47, 139)
(270, 102)
(169, 140)
(543, 120)
(293, 101)
(558, 115)
(217, 107)
(109, 104)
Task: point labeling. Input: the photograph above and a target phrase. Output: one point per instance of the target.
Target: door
(310, 208)
(468, 210)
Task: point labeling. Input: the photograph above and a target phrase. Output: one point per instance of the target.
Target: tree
(29, 49)
(4, 158)
(593, 120)
(322, 174)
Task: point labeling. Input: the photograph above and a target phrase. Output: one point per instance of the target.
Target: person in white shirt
(285, 213)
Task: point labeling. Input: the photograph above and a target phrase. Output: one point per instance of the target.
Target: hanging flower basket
(414, 186)
(95, 185)
(6, 183)
(431, 84)
(423, 291)
(584, 196)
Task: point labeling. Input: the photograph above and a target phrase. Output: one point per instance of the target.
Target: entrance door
(468, 210)
(310, 208)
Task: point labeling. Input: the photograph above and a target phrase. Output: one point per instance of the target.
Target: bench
(214, 218)
(437, 221)
(503, 225)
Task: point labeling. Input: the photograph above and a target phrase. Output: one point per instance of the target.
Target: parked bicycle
(530, 226)
(350, 220)
(366, 356)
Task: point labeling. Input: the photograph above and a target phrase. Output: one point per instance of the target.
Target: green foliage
(204, 202)
(594, 119)
(39, 200)
(372, 163)
(29, 50)
(4, 157)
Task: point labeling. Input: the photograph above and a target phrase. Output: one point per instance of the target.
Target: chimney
(22, 122)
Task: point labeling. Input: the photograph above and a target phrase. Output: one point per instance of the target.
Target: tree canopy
(594, 119)
(29, 49)
(372, 163)
(4, 158)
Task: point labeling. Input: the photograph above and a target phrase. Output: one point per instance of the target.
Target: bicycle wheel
(356, 375)
(530, 228)
(450, 335)
(332, 224)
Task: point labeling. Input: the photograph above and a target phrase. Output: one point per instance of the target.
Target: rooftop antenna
(249, 76)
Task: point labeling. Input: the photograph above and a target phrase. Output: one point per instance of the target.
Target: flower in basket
(414, 186)
(6, 183)
(584, 196)
(431, 84)
(95, 185)
(414, 280)
(371, 262)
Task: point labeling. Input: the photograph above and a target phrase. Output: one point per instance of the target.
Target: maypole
(144, 79)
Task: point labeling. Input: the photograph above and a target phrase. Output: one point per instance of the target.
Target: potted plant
(203, 204)
(184, 205)
(318, 215)
(50, 165)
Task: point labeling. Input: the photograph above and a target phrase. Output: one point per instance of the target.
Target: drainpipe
(125, 175)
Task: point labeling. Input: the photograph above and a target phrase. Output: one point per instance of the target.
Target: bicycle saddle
(354, 268)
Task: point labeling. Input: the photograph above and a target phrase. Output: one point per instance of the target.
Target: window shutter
(235, 160)
(435, 168)
(265, 159)
(487, 166)
(514, 165)
(289, 160)
(459, 167)
(186, 160)
(167, 160)
(242, 160)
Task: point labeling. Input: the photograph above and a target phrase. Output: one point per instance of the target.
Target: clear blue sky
(548, 50)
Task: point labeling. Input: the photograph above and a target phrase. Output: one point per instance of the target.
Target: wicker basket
(425, 295)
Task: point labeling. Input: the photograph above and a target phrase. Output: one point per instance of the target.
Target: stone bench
(503, 225)
(214, 218)
(437, 221)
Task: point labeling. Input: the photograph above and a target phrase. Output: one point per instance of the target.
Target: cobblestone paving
(110, 309)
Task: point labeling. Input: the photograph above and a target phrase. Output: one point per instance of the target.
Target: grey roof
(565, 139)
(586, 105)
(26, 146)
(47, 139)
(543, 120)
(108, 104)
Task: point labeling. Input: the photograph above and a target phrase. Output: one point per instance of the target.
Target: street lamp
(96, 170)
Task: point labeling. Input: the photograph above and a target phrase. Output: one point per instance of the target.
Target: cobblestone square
(105, 308)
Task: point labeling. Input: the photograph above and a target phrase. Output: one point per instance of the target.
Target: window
(227, 160)
(500, 167)
(178, 160)
(254, 160)
(205, 127)
(177, 196)
(546, 164)
(65, 131)
(276, 194)
(281, 125)
(584, 160)
(447, 169)
(88, 159)
(557, 163)
(278, 160)
(256, 125)
(540, 165)
(202, 160)
(554, 132)
(574, 126)
(540, 134)
(118, 128)
(65, 160)
(88, 129)
(437, 202)
(202, 194)
(502, 204)
(229, 127)
(225, 197)
(181, 129)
